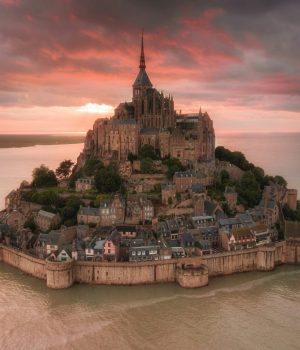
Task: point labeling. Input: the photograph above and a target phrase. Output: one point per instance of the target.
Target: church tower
(142, 81)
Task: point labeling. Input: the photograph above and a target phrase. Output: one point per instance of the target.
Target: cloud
(241, 56)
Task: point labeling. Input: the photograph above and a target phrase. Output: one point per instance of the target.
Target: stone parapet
(59, 274)
(192, 277)
(187, 272)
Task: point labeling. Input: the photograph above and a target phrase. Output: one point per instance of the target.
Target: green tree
(29, 223)
(107, 180)
(249, 190)
(43, 177)
(131, 157)
(91, 166)
(69, 211)
(148, 151)
(280, 180)
(147, 166)
(64, 169)
(173, 165)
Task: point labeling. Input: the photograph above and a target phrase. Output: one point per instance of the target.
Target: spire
(142, 58)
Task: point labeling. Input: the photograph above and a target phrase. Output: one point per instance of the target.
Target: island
(150, 200)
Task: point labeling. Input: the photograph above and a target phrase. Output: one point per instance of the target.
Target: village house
(210, 234)
(177, 252)
(144, 253)
(239, 239)
(112, 212)
(46, 220)
(88, 216)
(84, 184)
(111, 247)
(214, 209)
(228, 224)
(202, 221)
(246, 219)
(65, 254)
(47, 243)
(139, 209)
(262, 234)
(127, 231)
(183, 180)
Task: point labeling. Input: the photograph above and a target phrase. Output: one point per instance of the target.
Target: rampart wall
(188, 272)
(24, 262)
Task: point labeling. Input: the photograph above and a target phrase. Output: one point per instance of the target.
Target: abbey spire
(142, 80)
(142, 57)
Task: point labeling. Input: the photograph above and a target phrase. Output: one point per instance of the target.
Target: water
(276, 153)
(256, 310)
(16, 164)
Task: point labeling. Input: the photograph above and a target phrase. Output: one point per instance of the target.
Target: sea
(257, 310)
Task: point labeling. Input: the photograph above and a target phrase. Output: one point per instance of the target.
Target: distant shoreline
(29, 140)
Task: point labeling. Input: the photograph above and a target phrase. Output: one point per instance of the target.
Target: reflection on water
(243, 311)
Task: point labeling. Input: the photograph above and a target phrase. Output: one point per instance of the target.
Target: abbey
(150, 118)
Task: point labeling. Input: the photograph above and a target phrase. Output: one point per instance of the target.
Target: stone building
(150, 118)
(46, 220)
(84, 184)
(292, 199)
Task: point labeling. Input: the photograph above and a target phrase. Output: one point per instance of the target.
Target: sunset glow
(96, 109)
(63, 64)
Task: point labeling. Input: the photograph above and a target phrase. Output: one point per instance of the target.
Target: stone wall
(26, 263)
(188, 272)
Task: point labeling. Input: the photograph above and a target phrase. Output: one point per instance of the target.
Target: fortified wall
(187, 272)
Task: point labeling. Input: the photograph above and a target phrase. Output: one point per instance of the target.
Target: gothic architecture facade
(150, 118)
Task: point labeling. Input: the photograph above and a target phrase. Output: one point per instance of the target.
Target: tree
(69, 211)
(29, 223)
(108, 180)
(43, 177)
(173, 165)
(249, 190)
(147, 166)
(280, 180)
(91, 166)
(64, 169)
(148, 151)
(131, 157)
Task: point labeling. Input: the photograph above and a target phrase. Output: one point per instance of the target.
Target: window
(138, 253)
(133, 253)
(143, 252)
(108, 251)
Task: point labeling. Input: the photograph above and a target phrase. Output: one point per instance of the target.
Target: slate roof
(229, 221)
(89, 211)
(142, 79)
(149, 131)
(183, 174)
(46, 214)
(130, 121)
(198, 188)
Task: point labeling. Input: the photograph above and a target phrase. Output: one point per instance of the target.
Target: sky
(65, 63)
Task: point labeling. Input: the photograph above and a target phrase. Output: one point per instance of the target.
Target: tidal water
(259, 310)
